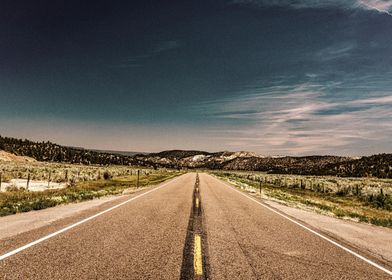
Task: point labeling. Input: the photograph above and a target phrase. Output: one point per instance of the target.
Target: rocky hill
(376, 165)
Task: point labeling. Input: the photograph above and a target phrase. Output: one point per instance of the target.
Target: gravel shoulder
(22, 222)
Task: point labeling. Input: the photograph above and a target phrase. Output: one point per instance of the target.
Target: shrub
(342, 192)
(380, 201)
(72, 182)
(106, 175)
(12, 188)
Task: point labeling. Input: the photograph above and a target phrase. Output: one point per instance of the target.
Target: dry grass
(373, 208)
(20, 200)
(60, 172)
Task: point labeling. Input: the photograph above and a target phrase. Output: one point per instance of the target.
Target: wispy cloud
(302, 119)
(139, 60)
(166, 46)
(336, 51)
(382, 6)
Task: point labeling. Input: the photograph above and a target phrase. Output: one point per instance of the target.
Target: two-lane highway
(152, 235)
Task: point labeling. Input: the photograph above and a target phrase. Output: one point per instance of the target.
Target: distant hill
(177, 154)
(123, 153)
(47, 151)
(376, 165)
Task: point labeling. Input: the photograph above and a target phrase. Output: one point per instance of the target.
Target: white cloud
(382, 6)
(384, 100)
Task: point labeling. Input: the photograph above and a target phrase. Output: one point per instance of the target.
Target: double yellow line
(197, 257)
(197, 250)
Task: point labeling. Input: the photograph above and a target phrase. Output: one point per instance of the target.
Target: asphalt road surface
(182, 229)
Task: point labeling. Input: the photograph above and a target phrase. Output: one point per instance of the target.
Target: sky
(280, 77)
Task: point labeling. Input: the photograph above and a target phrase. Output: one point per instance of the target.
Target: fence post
(260, 187)
(138, 174)
(50, 173)
(28, 180)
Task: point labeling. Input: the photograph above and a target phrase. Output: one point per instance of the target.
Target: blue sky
(274, 77)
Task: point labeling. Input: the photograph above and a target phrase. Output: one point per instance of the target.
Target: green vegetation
(370, 206)
(17, 200)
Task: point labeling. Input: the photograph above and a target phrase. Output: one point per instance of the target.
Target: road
(181, 229)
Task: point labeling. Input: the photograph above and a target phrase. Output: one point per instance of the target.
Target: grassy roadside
(333, 204)
(20, 200)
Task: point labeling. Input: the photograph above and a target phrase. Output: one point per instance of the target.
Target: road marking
(311, 230)
(197, 189)
(197, 260)
(20, 249)
(197, 202)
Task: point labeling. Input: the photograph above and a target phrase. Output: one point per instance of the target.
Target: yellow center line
(197, 202)
(197, 259)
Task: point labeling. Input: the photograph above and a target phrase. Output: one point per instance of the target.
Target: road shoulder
(374, 240)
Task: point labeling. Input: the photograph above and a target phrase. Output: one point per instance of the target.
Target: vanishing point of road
(192, 227)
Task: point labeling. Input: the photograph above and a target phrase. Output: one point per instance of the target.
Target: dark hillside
(47, 151)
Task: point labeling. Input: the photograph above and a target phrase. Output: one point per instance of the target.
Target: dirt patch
(5, 156)
(34, 186)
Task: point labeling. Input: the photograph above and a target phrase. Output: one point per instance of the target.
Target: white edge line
(309, 229)
(20, 249)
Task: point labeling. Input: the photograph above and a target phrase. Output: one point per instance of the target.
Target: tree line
(47, 151)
